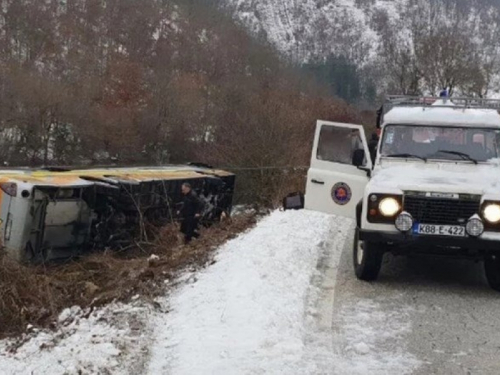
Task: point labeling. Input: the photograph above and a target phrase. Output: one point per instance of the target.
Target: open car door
(339, 171)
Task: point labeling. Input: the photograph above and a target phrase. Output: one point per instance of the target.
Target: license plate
(440, 230)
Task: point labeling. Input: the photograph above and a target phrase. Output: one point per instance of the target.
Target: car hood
(483, 179)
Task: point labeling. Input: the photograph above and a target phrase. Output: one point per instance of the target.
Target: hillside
(152, 82)
(308, 29)
(391, 42)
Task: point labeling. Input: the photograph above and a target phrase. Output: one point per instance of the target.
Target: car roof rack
(425, 102)
(428, 101)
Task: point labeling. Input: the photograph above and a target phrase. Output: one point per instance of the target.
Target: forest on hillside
(87, 82)
(364, 49)
(124, 82)
(156, 81)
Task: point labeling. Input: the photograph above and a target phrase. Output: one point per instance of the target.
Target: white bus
(47, 214)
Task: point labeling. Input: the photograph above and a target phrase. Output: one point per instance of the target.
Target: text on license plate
(440, 230)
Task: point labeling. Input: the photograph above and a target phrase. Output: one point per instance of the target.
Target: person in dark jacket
(380, 113)
(372, 146)
(190, 213)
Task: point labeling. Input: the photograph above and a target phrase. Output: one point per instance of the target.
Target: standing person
(380, 114)
(372, 146)
(190, 213)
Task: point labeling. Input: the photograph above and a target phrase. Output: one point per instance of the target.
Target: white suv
(434, 186)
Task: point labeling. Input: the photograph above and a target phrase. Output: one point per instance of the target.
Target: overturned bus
(58, 213)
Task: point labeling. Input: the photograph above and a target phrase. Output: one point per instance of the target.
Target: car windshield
(439, 142)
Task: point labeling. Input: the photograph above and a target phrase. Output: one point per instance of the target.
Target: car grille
(441, 210)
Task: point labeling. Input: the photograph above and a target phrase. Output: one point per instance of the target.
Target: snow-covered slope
(305, 29)
(389, 41)
(107, 341)
(266, 306)
(311, 28)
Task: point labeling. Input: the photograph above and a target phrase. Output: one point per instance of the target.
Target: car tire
(492, 271)
(367, 258)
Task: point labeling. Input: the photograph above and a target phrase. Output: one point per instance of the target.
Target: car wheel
(492, 270)
(367, 258)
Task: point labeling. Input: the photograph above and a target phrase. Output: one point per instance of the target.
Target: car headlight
(389, 207)
(492, 213)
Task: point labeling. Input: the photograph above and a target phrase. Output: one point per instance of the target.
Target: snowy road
(282, 299)
(452, 314)
(276, 303)
(455, 328)
(424, 316)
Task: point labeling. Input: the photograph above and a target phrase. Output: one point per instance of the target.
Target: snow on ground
(314, 28)
(102, 343)
(365, 335)
(246, 313)
(265, 306)
(261, 309)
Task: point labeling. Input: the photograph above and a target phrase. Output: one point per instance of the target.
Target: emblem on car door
(341, 193)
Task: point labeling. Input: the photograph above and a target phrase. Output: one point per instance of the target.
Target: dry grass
(36, 295)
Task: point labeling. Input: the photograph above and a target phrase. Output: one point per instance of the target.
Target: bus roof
(85, 177)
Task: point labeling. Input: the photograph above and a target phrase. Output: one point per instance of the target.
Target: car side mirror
(358, 158)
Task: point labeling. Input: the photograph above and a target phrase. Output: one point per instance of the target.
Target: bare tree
(441, 44)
